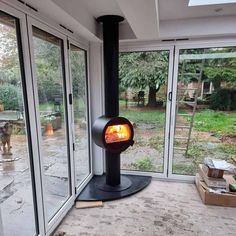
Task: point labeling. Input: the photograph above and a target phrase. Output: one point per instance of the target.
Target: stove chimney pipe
(111, 84)
(111, 63)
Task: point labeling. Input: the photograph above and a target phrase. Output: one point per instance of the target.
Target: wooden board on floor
(88, 204)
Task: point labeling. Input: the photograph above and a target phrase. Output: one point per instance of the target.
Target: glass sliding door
(143, 100)
(54, 152)
(205, 107)
(16, 195)
(78, 68)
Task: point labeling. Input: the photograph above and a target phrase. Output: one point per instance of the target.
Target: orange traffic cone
(49, 129)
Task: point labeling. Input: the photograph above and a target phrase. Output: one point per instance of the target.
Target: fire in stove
(117, 133)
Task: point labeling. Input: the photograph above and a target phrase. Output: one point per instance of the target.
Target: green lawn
(144, 116)
(46, 106)
(217, 122)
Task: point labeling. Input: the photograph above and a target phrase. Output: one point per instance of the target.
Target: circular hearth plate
(92, 193)
(125, 183)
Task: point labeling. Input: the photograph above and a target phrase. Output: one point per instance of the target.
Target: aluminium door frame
(1, 225)
(196, 44)
(53, 223)
(141, 47)
(85, 48)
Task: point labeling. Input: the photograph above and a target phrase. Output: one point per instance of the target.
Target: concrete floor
(163, 208)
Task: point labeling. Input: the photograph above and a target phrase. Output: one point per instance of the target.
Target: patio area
(15, 179)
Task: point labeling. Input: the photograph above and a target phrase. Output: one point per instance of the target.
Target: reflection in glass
(205, 108)
(16, 198)
(143, 86)
(80, 105)
(50, 82)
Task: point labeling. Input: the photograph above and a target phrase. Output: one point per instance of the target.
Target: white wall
(96, 99)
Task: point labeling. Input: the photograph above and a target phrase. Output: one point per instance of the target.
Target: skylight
(208, 2)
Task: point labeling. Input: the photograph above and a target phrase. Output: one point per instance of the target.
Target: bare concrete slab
(163, 208)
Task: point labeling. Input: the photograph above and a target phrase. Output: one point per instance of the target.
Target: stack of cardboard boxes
(215, 186)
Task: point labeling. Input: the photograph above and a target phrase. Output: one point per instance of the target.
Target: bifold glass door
(54, 144)
(204, 104)
(39, 170)
(144, 87)
(16, 192)
(78, 74)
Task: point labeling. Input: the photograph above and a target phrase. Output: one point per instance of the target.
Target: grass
(227, 148)
(156, 142)
(144, 116)
(47, 106)
(184, 169)
(145, 164)
(217, 122)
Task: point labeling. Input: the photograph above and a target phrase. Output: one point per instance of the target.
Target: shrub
(223, 99)
(9, 95)
(144, 164)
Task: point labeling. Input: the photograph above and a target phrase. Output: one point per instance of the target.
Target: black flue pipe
(111, 85)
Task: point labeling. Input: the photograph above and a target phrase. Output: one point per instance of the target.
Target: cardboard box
(212, 172)
(218, 199)
(211, 182)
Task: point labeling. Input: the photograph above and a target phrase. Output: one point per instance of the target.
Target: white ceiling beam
(193, 28)
(142, 16)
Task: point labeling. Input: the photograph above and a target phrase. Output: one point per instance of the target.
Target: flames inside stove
(117, 133)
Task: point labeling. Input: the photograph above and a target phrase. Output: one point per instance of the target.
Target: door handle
(170, 96)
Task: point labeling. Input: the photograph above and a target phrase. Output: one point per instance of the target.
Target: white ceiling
(145, 19)
(179, 9)
(97, 7)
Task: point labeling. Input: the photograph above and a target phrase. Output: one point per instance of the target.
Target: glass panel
(79, 76)
(48, 51)
(143, 87)
(16, 196)
(205, 108)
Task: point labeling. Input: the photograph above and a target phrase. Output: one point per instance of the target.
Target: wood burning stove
(111, 132)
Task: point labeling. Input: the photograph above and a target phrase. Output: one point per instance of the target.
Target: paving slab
(5, 181)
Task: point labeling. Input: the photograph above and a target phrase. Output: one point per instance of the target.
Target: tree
(78, 72)
(48, 62)
(139, 70)
(217, 68)
(9, 61)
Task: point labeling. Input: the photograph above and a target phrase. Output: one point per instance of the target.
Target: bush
(223, 99)
(9, 95)
(144, 164)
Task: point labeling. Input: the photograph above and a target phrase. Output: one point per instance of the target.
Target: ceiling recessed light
(208, 2)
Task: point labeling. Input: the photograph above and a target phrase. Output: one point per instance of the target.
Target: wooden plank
(234, 159)
(88, 204)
